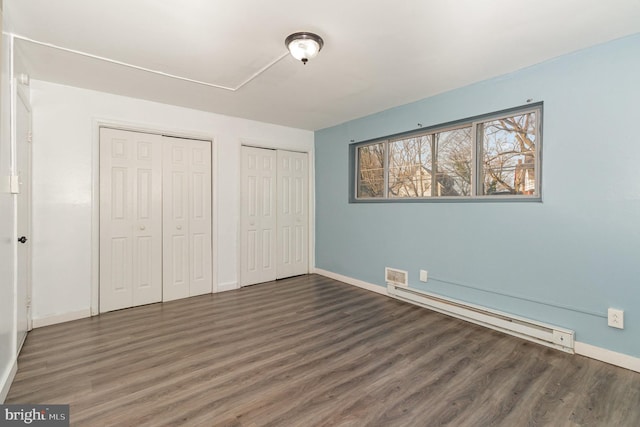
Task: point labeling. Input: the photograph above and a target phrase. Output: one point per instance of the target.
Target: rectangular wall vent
(396, 277)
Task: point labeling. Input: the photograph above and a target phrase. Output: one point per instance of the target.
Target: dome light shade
(304, 46)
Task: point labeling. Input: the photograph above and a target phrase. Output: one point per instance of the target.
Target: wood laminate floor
(311, 351)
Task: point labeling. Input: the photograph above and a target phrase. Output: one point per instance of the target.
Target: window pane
(410, 167)
(371, 170)
(453, 162)
(509, 155)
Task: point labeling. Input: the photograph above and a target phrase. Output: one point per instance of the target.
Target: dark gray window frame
(476, 155)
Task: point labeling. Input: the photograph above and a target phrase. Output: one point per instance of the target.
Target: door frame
(270, 145)
(95, 193)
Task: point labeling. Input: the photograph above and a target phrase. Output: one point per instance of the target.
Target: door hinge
(14, 184)
(29, 136)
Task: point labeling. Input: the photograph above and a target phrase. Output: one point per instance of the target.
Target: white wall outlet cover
(615, 318)
(423, 275)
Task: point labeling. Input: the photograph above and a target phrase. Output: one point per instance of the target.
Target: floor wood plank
(310, 351)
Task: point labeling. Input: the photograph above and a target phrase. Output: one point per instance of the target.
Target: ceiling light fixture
(304, 46)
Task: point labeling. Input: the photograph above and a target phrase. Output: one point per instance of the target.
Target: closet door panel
(147, 230)
(293, 216)
(175, 205)
(130, 219)
(200, 254)
(187, 212)
(258, 216)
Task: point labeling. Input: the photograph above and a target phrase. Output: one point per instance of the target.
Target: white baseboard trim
(351, 281)
(608, 356)
(61, 318)
(7, 380)
(229, 286)
(588, 350)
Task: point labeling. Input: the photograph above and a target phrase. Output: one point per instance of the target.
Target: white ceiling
(378, 53)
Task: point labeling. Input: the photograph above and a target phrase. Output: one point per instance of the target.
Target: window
(509, 154)
(494, 156)
(371, 170)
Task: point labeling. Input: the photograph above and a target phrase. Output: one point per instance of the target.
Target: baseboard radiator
(541, 333)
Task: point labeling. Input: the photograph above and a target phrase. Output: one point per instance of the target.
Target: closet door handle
(178, 227)
(22, 239)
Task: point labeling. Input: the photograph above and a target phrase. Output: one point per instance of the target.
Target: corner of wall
(7, 379)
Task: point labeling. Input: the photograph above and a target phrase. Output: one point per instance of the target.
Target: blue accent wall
(563, 261)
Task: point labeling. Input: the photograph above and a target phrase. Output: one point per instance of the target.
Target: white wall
(64, 125)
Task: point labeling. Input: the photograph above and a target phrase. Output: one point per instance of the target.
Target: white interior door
(130, 219)
(23, 161)
(187, 218)
(258, 216)
(293, 216)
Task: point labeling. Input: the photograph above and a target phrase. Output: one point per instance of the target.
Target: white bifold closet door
(292, 215)
(274, 215)
(130, 219)
(155, 218)
(187, 218)
(258, 216)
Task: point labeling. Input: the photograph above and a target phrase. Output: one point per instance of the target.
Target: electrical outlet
(423, 275)
(616, 318)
